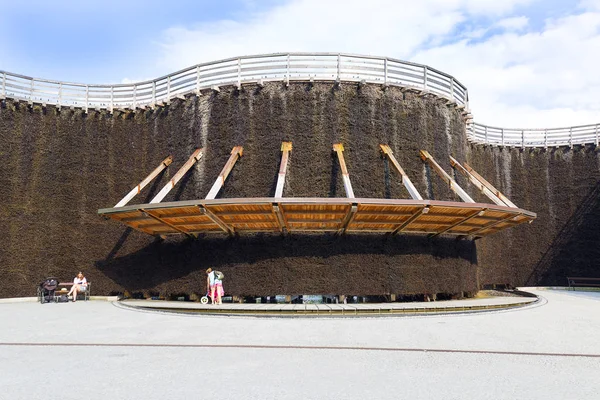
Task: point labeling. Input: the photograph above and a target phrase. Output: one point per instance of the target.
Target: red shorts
(218, 289)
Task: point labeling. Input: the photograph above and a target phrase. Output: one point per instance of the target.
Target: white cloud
(513, 23)
(378, 27)
(524, 78)
(590, 4)
(539, 78)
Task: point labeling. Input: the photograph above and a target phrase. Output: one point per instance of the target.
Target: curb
(19, 300)
(372, 312)
(35, 299)
(566, 288)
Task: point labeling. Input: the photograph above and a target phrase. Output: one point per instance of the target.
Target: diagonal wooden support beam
(286, 147)
(152, 215)
(492, 224)
(196, 155)
(138, 228)
(425, 156)
(214, 218)
(478, 184)
(133, 219)
(339, 149)
(153, 224)
(476, 213)
(164, 164)
(405, 179)
(280, 218)
(412, 218)
(490, 187)
(236, 153)
(348, 219)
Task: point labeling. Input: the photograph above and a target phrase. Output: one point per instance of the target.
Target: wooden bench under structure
(342, 215)
(582, 282)
(64, 287)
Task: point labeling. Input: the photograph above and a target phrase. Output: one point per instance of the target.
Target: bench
(69, 285)
(63, 288)
(582, 282)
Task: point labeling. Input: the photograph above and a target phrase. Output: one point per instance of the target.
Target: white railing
(268, 67)
(285, 67)
(583, 134)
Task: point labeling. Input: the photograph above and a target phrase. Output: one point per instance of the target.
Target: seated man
(79, 285)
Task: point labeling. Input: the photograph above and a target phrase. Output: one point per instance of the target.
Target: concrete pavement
(550, 350)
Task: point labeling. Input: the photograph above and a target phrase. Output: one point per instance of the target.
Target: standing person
(79, 285)
(210, 285)
(214, 285)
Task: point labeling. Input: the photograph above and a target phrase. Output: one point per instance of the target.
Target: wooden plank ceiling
(339, 215)
(319, 215)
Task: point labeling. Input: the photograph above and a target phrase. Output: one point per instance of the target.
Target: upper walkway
(287, 67)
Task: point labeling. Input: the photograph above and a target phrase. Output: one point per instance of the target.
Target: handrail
(515, 137)
(335, 67)
(236, 71)
(582, 282)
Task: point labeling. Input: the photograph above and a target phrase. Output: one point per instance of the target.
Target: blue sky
(526, 63)
(96, 41)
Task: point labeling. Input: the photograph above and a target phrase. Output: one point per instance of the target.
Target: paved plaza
(102, 350)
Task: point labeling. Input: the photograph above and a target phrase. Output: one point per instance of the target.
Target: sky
(526, 63)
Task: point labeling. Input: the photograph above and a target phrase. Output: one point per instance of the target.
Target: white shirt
(212, 278)
(78, 281)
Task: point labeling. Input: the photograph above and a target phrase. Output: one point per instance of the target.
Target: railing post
(31, 90)
(169, 88)
(287, 69)
(198, 80)
(112, 99)
(3, 84)
(87, 98)
(134, 96)
(60, 95)
(546, 138)
(153, 93)
(425, 77)
(339, 62)
(502, 136)
(571, 137)
(522, 138)
(385, 71)
(239, 72)
(597, 135)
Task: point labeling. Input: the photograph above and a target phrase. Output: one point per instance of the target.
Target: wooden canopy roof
(315, 215)
(340, 215)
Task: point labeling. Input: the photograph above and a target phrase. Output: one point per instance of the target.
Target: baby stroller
(204, 299)
(46, 290)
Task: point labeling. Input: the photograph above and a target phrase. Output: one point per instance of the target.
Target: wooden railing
(574, 135)
(286, 67)
(583, 282)
(267, 67)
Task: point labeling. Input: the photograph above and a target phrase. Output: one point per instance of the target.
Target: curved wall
(61, 166)
(562, 186)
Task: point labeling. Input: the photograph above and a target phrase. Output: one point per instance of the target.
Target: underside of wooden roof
(319, 215)
(339, 215)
